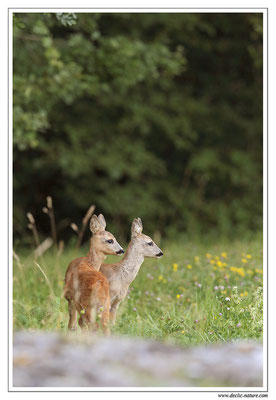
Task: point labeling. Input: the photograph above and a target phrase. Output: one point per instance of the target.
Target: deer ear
(140, 222)
(102, 220)
(136, 227)
(95, 225)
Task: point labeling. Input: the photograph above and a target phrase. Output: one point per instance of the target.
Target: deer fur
(120, 275)
(97, 253)
(86, 288)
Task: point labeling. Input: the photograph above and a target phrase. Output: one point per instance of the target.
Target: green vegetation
(197, 293)
(150, 115)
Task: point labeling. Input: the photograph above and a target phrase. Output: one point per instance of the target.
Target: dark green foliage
(150, 115)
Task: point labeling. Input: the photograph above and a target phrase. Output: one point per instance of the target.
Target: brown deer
(86, 288)
(98, 247)
(120, 275)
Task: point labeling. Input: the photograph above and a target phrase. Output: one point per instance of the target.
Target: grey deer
(121, 274)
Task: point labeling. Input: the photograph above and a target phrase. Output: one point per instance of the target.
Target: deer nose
(159, 254)
(120, 251)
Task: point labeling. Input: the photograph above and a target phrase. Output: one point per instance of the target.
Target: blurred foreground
(44, 359)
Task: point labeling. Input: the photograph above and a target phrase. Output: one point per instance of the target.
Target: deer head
(144, 245)
(103, 240)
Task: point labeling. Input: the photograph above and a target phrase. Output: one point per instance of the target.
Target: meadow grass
(196, 293)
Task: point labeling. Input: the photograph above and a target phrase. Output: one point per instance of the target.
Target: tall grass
(197, 293)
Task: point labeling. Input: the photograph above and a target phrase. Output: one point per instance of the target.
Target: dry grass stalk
(74, 227)
(45, 245)
(52, 218)
(85, 221)
(20, 266)
(32, 227)
(16, 257)
(30, 218)
(46, 279)
(60, 248)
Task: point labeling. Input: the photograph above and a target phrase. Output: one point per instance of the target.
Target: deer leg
(113, 312)
(81, 322)
(72, 325)
(105, 317)
(90, 316)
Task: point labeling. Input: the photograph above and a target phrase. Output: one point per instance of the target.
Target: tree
(151, 115)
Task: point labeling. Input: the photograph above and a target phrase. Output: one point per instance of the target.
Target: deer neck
(95, 258)
(131, 263)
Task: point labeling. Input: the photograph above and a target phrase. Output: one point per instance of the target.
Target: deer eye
(110, 241)
(150, 243)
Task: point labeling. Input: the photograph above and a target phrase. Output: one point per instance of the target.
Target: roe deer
(120, 275)
(98, 247)
(86, 288)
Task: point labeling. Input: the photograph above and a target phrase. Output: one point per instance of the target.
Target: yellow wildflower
(217, 257)
(219, 263)
(245, 293)
(224, 254)
(250, 272)
(223, 291)
(175, 267)
(160, 277)
(224, 264)
(183, 331)
(239, 271)
(248, 256)
(214, 268)
(178, 296)
(244, 260)
(208, 255)
(259, 271)
(196, 258)
(189, 266)
(212, 261)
